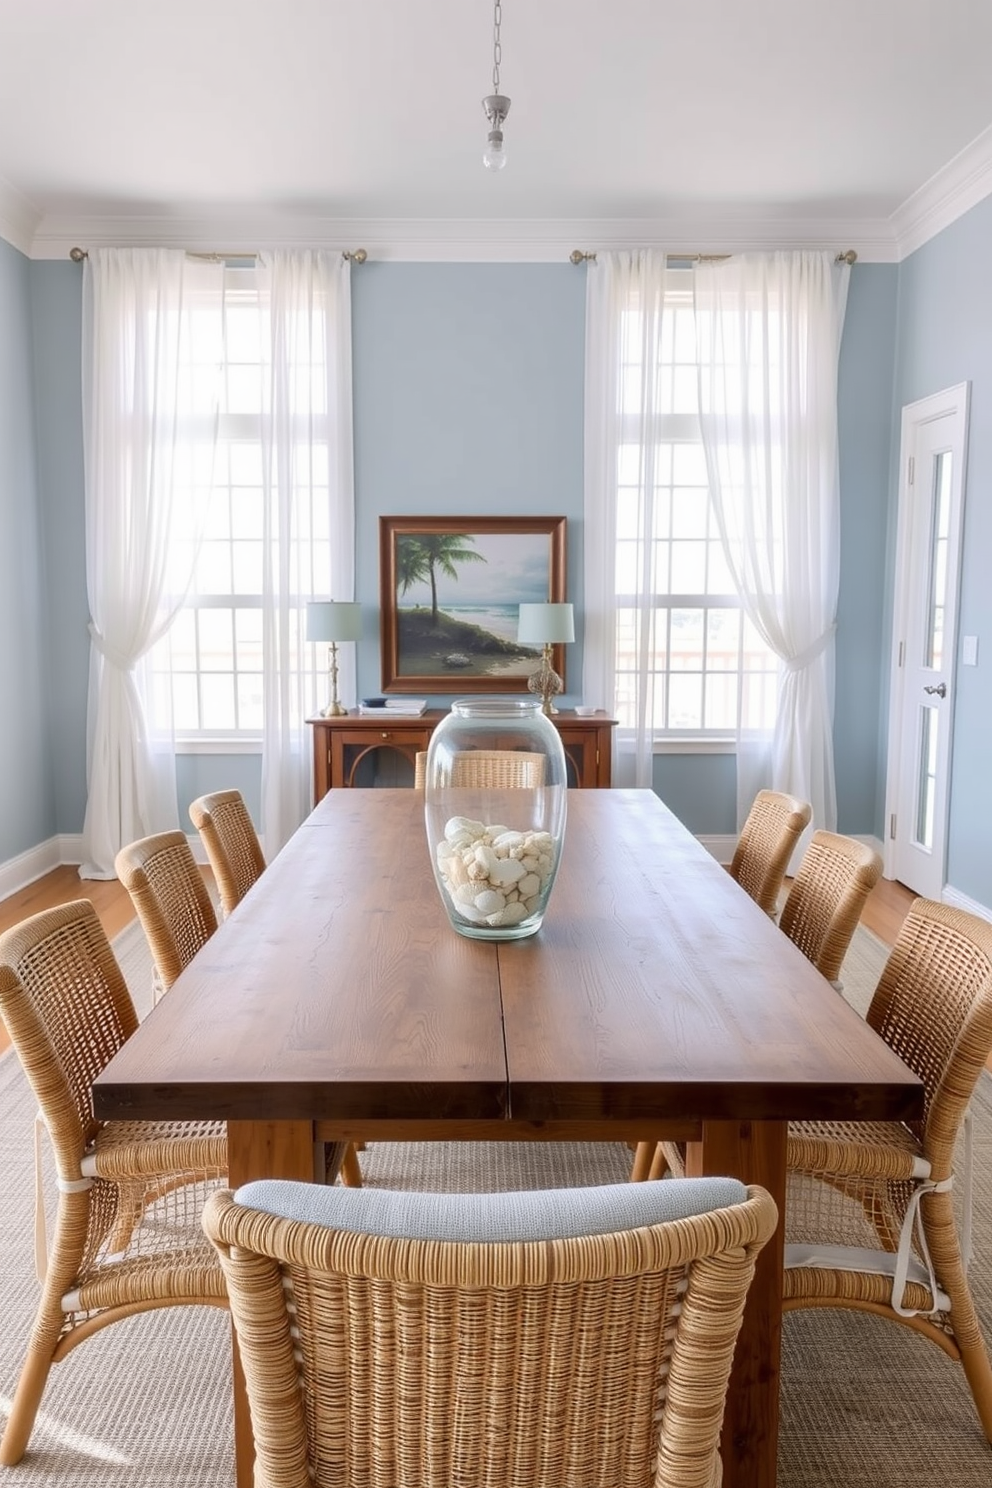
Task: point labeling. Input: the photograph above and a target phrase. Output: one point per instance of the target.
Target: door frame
(953, 401)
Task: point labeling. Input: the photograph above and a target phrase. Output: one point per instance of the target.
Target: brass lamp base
(546, 682)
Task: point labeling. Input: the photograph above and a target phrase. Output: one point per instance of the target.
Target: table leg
(754, 1152)
(261, 1149)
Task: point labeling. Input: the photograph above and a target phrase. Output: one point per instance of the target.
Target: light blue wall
(27, 808)
(864, 416)
(945, 337)
(56, 308)
(468, 398)
(468, 394)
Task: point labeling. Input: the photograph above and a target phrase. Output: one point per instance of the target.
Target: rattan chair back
(171, 899)
(871, 1220)
(488, 769)
(826, 898)
(933, 1006)
(766, 843)
(68, 1011)
(598, 1359)
(231, 842)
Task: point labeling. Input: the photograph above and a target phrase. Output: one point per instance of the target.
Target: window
(710, 669)
(208, 670)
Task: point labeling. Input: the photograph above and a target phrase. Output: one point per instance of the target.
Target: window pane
(688, 567)
(216, 641)
(687, 640)
(218, 702)
(250, 700)
(690, 513)
(685, 700)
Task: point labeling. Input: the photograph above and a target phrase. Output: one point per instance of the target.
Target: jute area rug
(865, 1404)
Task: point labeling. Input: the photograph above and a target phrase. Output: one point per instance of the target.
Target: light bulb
(494, 155)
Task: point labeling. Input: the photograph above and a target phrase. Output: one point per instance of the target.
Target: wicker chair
(827, 896)
(870, 1219)
(172, 901)
(773, 827)
(592, 1343)
(127, 1237)
(488, 769)
(232, 845)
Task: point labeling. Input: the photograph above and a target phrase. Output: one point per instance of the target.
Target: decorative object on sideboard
(543, 625)
(494, 806)
(333, 620)
(496, 105)
(450, 589)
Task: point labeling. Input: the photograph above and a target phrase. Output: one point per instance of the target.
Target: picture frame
(449, 590)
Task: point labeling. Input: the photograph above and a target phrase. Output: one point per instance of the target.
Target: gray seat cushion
(537, 1214)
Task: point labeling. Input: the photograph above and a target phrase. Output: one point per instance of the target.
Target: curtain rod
(356, 255)
(577, 256)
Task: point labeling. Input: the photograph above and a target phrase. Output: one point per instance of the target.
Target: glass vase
(494, 809)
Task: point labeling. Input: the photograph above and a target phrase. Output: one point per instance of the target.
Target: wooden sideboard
(350, 750)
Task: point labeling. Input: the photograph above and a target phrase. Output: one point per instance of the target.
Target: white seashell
(511, 915)
(459, 826)
(470, 913)
(495, 833)
(508, 839)
(529, 884)
(465, 894)
(543, 840)
(529, 862)
(477, 871)
(531, 904)
(506, 872)
(455, 871)
(487, 858)
(490, 902)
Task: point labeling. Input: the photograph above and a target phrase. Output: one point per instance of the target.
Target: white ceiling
(124, 118)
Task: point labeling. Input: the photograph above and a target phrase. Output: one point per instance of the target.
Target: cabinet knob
(385, 736)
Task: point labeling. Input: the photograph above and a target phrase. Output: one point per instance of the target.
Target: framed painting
(449, 592)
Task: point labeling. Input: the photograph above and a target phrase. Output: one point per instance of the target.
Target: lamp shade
(540, 623)
(333, 620)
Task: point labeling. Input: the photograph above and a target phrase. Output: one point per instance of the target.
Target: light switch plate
(969, 651)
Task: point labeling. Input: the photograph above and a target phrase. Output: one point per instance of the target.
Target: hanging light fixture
(496, 104)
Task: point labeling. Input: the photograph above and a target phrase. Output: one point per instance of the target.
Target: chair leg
(643, 1158)
(351, 1173)
(942, 1238)
(27, 1398)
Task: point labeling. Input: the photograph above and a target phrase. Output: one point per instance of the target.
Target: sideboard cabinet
(358, 749)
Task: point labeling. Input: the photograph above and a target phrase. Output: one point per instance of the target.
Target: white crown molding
(473, 240)
(957, 187)
(19, 218)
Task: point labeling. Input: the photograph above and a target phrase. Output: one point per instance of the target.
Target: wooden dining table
(657, 1000)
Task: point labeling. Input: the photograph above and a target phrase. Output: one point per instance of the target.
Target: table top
(655, 988)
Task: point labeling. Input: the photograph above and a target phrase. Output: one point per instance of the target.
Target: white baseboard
(961, 901)
(18, 872)
(721, 846)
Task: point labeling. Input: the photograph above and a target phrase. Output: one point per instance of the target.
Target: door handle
(940, 689)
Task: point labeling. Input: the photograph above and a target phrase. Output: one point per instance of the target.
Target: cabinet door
(359, 755)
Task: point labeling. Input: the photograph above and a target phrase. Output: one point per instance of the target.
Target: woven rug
(865, 1404)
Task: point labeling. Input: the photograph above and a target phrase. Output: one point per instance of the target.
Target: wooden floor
(884, 912)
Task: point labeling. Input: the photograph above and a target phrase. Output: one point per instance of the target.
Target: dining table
(336, 1003)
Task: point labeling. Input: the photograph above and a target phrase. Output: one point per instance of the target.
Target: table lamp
(333, 620)
(545, 625)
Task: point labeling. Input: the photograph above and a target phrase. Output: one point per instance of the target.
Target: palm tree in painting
(419, 558)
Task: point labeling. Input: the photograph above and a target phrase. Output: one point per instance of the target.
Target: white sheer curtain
(149, 426)
(768, 331)
(309, 507)
(625, 296)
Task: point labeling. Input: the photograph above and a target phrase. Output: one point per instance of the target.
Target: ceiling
(122, 117)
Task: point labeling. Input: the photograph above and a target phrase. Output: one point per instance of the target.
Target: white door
(928, 548)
